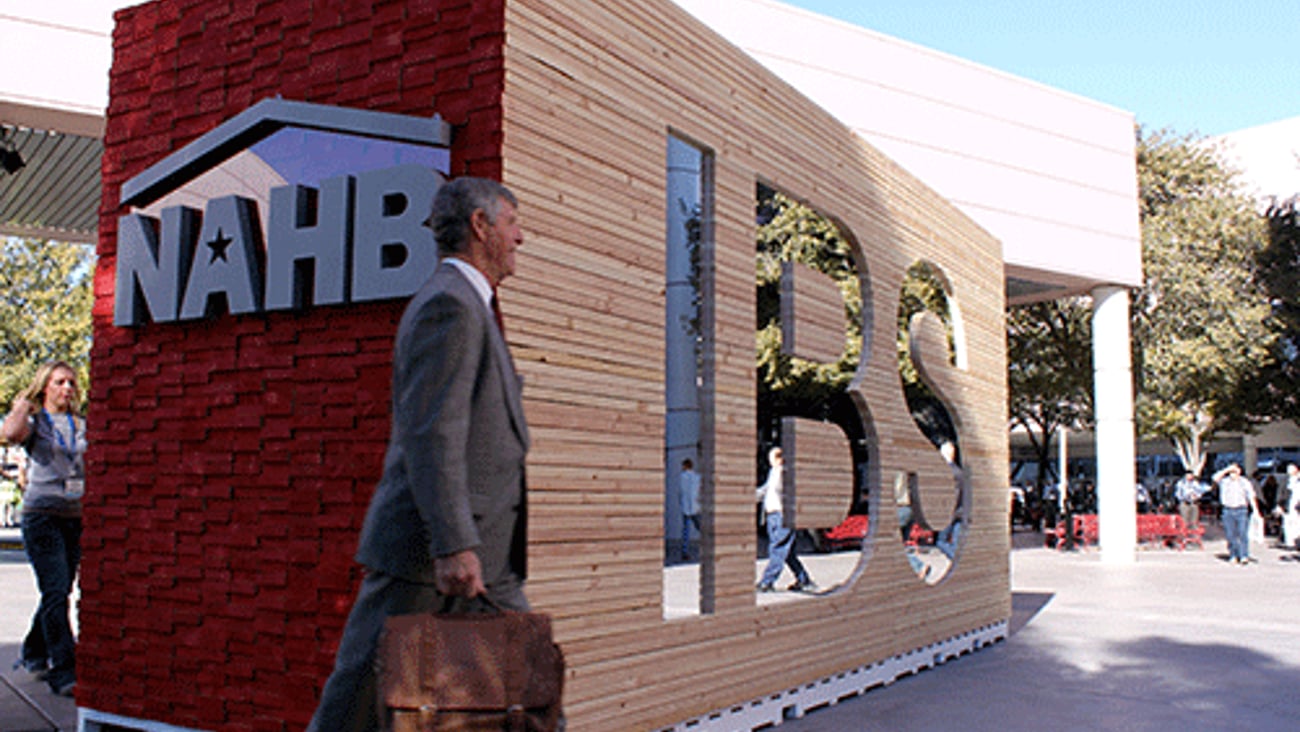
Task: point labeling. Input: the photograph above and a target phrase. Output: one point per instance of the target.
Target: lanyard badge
(70, 451)
(73, 488)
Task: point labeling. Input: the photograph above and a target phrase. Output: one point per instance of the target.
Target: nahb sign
(287, 205)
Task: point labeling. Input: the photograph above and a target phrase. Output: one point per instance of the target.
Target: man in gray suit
(448, 517)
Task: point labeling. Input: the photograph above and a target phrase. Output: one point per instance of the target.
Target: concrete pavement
(1177, 640)
(26, 703)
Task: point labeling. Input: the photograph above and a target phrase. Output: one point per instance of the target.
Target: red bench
(1191, 535)
(1157, 528)
(848, 534)
(1166, 529)
(851, 531)
(1085, 531)
(919, 535)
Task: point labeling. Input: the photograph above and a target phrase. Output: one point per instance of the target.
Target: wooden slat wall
(818, 315)
(592, 92)
(822, 474)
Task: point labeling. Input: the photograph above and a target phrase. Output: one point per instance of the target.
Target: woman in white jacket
(1288, 507)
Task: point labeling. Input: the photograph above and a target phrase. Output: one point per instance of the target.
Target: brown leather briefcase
(470, 671)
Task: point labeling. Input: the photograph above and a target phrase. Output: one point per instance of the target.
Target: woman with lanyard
(44, 421)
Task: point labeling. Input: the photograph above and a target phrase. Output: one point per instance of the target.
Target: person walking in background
(447, 521)
(1236, 495)
(1188, 492)
(1255, 525)
(780, 538)
(11, 494)
(688, 497)
(1142, 497)
(1288, 507)
(45, 422)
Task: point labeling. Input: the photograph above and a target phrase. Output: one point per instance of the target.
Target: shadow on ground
(1153, 684)
(1025, 606)
(23, 698)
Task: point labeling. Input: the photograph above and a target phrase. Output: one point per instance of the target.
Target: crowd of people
(1248, 509)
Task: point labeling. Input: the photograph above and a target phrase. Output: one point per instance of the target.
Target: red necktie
(496, 313)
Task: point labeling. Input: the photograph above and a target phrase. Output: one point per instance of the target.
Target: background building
(1267, 157)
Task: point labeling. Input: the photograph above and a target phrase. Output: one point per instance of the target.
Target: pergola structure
(55, 192)
(52, 103)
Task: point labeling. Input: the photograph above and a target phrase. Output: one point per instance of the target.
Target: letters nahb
(355, 239)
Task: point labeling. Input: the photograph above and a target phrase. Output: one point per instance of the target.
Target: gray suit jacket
(454, 471)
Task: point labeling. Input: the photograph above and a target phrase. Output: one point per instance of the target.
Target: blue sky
(1198, 66)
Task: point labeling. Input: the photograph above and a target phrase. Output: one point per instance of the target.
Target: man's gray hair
(455, 203)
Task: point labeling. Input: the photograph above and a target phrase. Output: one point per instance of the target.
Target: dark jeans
(53, 545)
(1236, 526)
(780, 551)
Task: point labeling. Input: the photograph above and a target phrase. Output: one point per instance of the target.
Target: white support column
(1113, 399)
(1249, 454)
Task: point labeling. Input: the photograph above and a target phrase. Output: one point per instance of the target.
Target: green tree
(789, 231)
(1276, 390)
(1199, 330)
(45, 308)
(1049, 371)
(789, 386)
(923, 291)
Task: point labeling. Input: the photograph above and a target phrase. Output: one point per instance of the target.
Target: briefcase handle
(460, 605)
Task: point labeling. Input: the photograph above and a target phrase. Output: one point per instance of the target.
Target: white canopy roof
(53, 94)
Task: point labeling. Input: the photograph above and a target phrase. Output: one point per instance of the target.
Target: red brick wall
(232, 459)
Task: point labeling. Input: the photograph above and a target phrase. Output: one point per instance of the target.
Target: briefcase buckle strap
(428, 715)
(516, 718)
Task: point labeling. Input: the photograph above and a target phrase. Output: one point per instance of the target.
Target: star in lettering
(219, 246)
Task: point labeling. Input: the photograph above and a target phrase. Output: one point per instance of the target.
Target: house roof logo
(287, 205)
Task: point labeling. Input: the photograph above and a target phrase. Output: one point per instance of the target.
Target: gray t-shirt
(55, 464)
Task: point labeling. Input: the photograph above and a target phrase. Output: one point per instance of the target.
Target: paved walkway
(26, 704)
(1176, 641)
